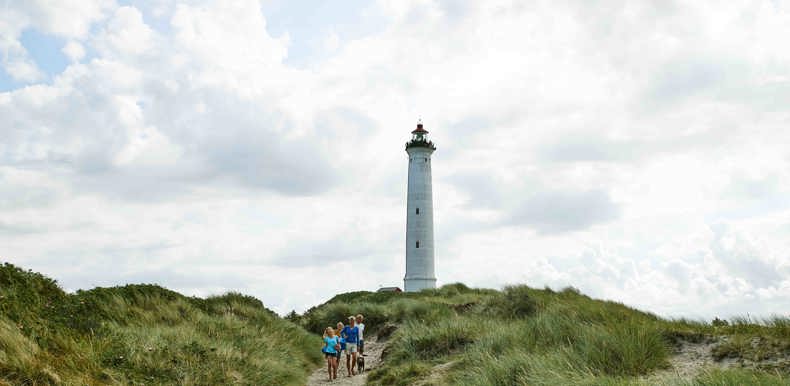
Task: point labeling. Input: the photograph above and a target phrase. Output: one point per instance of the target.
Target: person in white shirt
(361, 344)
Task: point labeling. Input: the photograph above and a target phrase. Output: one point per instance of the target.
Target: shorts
(337, 354)
(331, 354)
(361, 345)
(351, 347)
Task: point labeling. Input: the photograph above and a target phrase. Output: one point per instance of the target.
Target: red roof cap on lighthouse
(419, 138)
(419, 129)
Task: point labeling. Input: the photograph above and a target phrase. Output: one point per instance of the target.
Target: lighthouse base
(414, 285)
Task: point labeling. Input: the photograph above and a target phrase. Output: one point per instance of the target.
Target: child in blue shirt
(330, 349)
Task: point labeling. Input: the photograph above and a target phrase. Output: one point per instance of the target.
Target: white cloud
(331, 42)
(67, 19)
(634, 151)
(125, 34)
(24, 70)
(74, 51)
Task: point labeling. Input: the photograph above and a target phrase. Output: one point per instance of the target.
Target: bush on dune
(397, 309)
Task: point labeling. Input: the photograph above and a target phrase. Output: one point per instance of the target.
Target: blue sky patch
(45, 50)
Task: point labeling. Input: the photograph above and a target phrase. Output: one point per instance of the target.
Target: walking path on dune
(372, 359)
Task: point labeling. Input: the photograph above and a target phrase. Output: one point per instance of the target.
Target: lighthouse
(419, 214)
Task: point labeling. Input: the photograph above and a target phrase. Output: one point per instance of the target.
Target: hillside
(524, 336)
(143, 334)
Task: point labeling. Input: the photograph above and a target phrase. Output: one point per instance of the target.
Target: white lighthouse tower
(419, 217)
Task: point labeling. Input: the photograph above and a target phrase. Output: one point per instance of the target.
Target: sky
(636, 150)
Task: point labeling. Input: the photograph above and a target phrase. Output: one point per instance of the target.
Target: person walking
(361, 326)
(330, 349)
(351, 334)
(340, 337)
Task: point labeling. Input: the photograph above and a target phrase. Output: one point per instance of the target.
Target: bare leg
(348, 364)
(353, 363)
(329, 366)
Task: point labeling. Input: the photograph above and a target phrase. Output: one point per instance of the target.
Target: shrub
(327, 316)
(293, 317)
(376, 315)
(719, 322)
(452, 289)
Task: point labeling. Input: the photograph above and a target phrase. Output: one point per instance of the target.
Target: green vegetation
(143, 334)
(740, 377)
(525, 336)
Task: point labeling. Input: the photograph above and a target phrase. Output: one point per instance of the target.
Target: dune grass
(143, 334)
(740, 377)
(526, 336)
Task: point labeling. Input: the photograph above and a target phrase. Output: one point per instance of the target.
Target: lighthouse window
(418, 244)
(418, 210)
(426, 160)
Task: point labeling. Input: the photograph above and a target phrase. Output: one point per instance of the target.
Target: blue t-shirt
(351, 334)
(330, 344)
(342, 343)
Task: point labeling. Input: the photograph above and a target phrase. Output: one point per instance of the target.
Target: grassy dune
(524, 336)
(143, 334)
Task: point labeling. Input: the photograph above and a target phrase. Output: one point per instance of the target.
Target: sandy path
(372, 359)
(689, 360)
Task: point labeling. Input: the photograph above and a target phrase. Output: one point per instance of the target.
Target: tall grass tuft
(514, 302)
(626, 349)
(740, 377)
